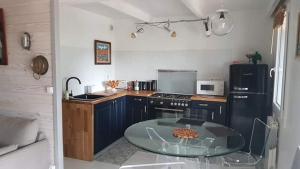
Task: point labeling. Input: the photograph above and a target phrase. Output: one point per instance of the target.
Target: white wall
(78, 30)
(140, 58)
(290, 126)
(21, 94)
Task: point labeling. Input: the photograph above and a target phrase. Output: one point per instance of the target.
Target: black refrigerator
(247, 98)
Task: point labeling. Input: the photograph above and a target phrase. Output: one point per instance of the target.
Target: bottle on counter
(136, 86)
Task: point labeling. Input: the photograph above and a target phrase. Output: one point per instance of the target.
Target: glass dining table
(157, 136)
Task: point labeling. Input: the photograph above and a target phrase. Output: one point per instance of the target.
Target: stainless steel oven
(162, 105)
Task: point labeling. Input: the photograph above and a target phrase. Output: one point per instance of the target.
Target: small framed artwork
(102, 52)
(298, 38)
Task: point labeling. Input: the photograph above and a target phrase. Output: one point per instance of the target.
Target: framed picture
(3, 49)
(102, 52)
(298, 40)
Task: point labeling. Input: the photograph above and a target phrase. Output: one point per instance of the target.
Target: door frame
(57, 83)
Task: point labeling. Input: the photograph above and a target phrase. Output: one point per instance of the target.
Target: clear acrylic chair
(259, 138)
(170, 165)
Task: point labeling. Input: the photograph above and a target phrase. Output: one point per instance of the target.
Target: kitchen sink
(87, 97)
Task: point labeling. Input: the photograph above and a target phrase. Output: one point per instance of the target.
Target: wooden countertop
(222, 99)
(111, 96)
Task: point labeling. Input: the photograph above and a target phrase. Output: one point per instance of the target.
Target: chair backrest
(296, 163)
(259, 137)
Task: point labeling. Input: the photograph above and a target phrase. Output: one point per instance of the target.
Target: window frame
(279, 108)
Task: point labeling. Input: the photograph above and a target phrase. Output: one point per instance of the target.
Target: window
(280, 62)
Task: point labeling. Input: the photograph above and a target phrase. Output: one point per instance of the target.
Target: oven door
(168, 112)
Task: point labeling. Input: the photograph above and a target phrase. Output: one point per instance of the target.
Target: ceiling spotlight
(173, 33)
(221, 23)
(207, 30)
(133, 35)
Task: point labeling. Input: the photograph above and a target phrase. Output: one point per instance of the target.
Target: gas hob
(170, 100)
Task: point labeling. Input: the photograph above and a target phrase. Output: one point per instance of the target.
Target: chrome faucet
(67, 83)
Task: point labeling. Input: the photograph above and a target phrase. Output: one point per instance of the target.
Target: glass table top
(157, 136)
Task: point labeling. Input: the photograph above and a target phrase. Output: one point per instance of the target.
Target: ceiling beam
(118, 5)
(194, 7)
(127, 8)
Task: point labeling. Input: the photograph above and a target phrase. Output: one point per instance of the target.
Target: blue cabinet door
(102, 126)
(209, 111)
(137, 110)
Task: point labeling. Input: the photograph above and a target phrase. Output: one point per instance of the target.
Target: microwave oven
(210, 87)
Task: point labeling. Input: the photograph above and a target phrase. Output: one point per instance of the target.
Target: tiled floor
(121, 152)
(78, 164)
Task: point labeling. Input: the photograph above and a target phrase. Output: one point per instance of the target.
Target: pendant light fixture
(221, 22)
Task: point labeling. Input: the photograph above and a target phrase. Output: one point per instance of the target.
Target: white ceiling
(150, 9)
(162, 8)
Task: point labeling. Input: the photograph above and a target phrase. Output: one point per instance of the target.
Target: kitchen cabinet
(209, 111)
(109, 122)
(137, 110)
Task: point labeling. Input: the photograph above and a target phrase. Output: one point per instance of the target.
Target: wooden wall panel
(19, 93)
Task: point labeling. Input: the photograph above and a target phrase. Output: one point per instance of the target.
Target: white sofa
(22, 145)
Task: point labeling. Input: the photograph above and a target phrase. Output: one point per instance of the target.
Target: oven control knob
(186, 105)
(175, 104)
(172, 103)
(151, 102)
(161, 103)
(182, 104)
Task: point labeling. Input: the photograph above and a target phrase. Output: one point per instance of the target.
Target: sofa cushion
(7, 149)
(18, 131)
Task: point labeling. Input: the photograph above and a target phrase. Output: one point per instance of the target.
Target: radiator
(271, 145)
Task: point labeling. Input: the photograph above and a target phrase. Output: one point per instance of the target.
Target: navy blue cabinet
(137, 110)
(109, 122)
(209, 111)
(102, 125)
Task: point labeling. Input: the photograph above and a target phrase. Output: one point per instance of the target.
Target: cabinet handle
(212, 115)
(138, 100)
(204, 105)
(145, 109)
(220, 110)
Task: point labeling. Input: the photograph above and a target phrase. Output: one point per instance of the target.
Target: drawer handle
(138, 100)
(204, 105)
(165, 109)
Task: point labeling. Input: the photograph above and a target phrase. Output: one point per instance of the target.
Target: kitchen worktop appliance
(248, 98)
(167, 105)
(175, 89)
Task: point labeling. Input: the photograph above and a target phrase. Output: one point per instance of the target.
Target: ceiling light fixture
(173, 33)
(207, 29)
(133, 35)
(221, 23)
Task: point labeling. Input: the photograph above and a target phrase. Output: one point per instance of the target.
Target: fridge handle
(271, 71)
(240, 97)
